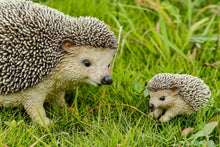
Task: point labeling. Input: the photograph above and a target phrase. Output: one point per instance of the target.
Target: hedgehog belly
(10, 100)
(35, 94)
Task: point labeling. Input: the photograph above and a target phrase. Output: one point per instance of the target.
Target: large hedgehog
(177, 94)
(37, 43)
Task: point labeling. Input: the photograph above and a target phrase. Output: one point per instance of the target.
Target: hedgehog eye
(108, 65)
(162, 98)
(86, 63)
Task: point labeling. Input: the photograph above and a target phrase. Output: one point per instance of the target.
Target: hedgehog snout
(107, 80)
(151, 106)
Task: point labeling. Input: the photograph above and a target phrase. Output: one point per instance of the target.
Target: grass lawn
(181, 36)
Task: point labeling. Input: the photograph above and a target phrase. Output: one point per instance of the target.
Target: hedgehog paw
(152, 115)
(164, 118)
(46, 121)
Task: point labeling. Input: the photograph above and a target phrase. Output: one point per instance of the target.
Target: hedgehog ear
(67, 44)
(175, 90)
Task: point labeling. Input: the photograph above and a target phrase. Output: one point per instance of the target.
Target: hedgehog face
(88, 65)
(96, 64)
(163, 98)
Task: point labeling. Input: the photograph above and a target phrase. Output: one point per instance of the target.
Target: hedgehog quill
(37, 42)
(176, 94)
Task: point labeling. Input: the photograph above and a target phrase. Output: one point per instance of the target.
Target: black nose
(151, 106)
(107, 80)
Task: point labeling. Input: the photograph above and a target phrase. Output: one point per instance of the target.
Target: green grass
(170, 36)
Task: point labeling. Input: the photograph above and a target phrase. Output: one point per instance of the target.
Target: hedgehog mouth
(93, 83)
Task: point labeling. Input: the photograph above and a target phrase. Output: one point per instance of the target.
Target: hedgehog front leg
(32, 110)
(156, 113)
(170, 113)
(34, 103)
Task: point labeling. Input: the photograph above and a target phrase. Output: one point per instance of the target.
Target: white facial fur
(74, 70)
(169, 100)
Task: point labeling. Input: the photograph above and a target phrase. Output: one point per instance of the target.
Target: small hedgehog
(37, 43)
(177, 94)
